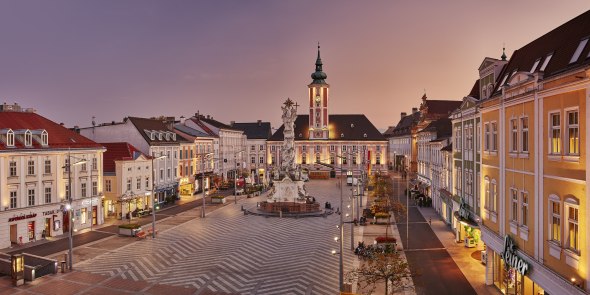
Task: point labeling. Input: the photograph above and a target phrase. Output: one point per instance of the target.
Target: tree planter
(129, 229)
(217, 200)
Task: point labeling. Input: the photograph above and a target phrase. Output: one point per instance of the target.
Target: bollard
(430, 220)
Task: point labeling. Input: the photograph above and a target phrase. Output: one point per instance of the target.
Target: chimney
(403, 114)
(414, 110)
(231, 123)
(182, 119)
(259, 122)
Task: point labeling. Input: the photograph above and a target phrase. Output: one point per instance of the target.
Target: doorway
(13, 234)
(94, 215)
(47, 228)
(66, 220)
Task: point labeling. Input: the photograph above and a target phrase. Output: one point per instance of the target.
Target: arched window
(303, 159)
(10, 138)
(28, 138)
(44, 137)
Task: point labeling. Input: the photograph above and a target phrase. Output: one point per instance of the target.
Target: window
(573, 238)
(545, 62)
(458, 181)
(332, 148)
(262, 147)
(272, 148)
(514, 205)
(477, 138)
(192, 170)
(304, 148)
(261, 160)
(303, 159)
(138, 183)
(47, 166)
(252, 148)
(494, 136)
(555, 221)
(31, 167)
(378, 159)
(513, 136)
(492, 196)
(525, 208)
(354, 160)
(31, 196)
(272, 159)
(44, 138)
(535, 65)
(168, 173)
(332, 160)
(94, 188)
(555, 131)
(167, 154)
(487, 137)
(12, 199)
(344, 148)
(28, 138)
(253, 160)
(83, 166)
(318, 148)
(83, 189)
(12, 168)
(147, 182)
(161, 174)
(524, 134)
(10, 138)
(343, 160)
(317, 158)
(578, 51)
(48, 195)
(129, 184)
(573, 133)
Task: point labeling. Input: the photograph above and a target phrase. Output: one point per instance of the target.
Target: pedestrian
(430, 221)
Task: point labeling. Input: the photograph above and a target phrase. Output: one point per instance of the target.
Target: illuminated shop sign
(512, 259)
(22, 216)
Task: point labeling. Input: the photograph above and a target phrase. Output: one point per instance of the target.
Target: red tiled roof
(118, 151)
(59, 137)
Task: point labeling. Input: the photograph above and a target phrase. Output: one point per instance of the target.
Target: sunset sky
(239, 60)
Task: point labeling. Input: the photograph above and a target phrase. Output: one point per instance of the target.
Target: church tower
(318, 102)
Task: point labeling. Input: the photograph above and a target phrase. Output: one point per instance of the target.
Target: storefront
(467, 227)
(29, 225)
(514, 272)
(186, 185)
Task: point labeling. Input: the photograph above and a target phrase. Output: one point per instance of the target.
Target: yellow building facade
(534, 197)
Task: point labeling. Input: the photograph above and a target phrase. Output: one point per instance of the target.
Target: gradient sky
(239, 60)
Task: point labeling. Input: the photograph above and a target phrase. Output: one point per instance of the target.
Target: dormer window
(365, 135)
(342, 135)
(28, 138)
(167, 136)
(160, 135)
(44, 138)
(10, 138)
(535, 65)
(578, 51)
(351, 125)
(174, 136)
(545, 62)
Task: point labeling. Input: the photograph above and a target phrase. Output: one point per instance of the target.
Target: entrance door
(13, 234)
(47, 227)
(94, 214)
(31, 230)
(66, 220)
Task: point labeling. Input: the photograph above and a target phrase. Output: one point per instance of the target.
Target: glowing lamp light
(68, 206)
(333, 252)
(336, 239)
(18, 269)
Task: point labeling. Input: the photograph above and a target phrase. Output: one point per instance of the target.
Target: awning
(464, 221)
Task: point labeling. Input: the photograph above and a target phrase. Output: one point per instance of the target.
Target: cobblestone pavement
(230, 252)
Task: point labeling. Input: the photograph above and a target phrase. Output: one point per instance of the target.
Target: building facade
(39, 157)
(350, 141)
(127, 181)
(196, 159)
(534, 167)
(257, 133)
(151, 137)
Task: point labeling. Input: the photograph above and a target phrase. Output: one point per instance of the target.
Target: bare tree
(389, 268)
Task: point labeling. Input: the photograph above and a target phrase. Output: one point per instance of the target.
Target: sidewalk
(367, 234)
(472, 268)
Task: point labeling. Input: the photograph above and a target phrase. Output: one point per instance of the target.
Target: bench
(141, 235)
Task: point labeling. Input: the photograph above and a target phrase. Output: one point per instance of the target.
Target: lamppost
(69, 207)
(203, 156)
(153, 196)
(236, 177)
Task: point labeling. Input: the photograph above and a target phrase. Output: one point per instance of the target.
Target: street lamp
(203, 156)
(153, 196)
(236, 177)
(70, 208)
(340, 226)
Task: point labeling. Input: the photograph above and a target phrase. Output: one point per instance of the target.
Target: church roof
(255, 130)
(342, 127)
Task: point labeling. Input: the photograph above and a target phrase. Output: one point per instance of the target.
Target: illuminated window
(525, 208)
(555, 129)
(573, 237)
(573, 133)
(555, 221)
(83, 189)
(83, 215)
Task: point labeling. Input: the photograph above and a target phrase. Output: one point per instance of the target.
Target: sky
(239, 60)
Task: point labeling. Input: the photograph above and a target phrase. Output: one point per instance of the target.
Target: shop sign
(511, 259)
(463, 212)
(51, 212)
(88, 202)
(22, 216)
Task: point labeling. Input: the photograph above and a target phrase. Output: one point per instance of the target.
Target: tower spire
(503, 52)
(318, 76)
